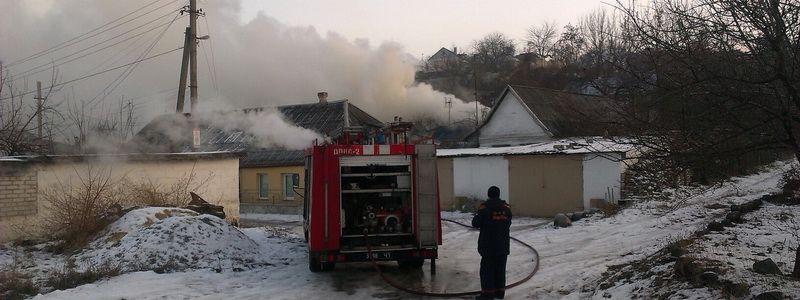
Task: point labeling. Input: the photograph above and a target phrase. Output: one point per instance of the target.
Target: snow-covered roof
(564, 146)
(125, 156)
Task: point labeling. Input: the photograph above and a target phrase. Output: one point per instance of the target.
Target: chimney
(455, 49)
(323, 97)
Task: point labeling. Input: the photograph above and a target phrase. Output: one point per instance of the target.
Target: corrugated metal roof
(173, 132)
(273, 158)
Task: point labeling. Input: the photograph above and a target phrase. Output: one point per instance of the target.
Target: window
(263, 186)
(290, 181)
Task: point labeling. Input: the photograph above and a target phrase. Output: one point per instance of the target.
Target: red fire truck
(382, 196)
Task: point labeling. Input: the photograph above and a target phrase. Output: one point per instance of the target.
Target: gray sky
(261, 53)
(421, 26)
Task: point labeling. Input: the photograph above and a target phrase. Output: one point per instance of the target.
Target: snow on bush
(171, 239)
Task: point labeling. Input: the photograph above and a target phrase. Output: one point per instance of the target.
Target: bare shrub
(16, 285)
(149, 193)
(790, 182)
(77, 212)
(69, 277)
(652, 179)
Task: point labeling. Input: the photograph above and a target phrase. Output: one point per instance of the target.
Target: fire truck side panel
(426, 195)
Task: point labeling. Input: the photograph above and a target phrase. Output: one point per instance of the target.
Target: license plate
(380, 255)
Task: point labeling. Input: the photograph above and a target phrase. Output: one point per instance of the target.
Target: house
(270, 179)
(525, 115)
(442, 59)
(544, 149)
(24, 180)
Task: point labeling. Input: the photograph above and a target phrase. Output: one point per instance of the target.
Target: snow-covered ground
(573, 260)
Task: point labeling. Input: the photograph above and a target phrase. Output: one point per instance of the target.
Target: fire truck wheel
(314, 265)
(328, 266)
(410, 263)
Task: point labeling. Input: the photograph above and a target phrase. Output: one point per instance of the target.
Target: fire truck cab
(382, 196)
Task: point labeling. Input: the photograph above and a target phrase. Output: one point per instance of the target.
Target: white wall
(511, 124)
(601, 172)
(472, 176)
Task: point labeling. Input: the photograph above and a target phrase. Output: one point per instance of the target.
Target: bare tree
(18, 115)
(718, 79)
(492, 65)
(107, 133)
(571, 45)
(494, 51)
(542, 39)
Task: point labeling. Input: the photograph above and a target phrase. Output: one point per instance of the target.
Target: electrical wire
(52, 64)
(213, 60)
(81, 37)
(97, 73)
(131, 68)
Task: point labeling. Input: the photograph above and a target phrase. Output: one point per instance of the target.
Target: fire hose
(399, 286)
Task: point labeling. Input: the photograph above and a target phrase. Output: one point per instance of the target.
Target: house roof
(273, 158)
(443, 53)
(562, 114)
(122, 156)
(173, 131)
(586, 145)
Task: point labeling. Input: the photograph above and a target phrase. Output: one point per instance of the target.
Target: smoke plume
(260, 63)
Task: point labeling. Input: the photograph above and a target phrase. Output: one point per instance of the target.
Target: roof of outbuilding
(584, 145)
(173, 132)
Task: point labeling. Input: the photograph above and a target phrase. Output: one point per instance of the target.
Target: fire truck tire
(329, 266)
(410, 263)
(314, 265)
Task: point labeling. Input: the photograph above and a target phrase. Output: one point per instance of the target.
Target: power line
(83, 36)
(52, 65)
(130, 70)
(98, 73)
(213, 60)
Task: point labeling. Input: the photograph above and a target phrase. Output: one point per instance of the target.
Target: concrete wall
(544, 185)
(602, 175)
(276, 202)
(220, 178)
(511, 124)
(444, 171)
(472, 176)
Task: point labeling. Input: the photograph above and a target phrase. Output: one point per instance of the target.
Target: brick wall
(18, 194)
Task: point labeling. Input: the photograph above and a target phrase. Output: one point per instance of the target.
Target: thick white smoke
(261, 63)
(267, 62)
(268, 127)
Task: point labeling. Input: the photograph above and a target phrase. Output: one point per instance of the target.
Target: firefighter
(493, 218)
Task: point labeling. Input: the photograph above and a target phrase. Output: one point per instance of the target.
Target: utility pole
(184, 70)
(193, 53)
(2, 114)
(39, 104)
(448, 102)
(190, 54)
(475, 85)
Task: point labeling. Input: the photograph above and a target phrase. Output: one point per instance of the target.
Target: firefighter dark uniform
(493, 218)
